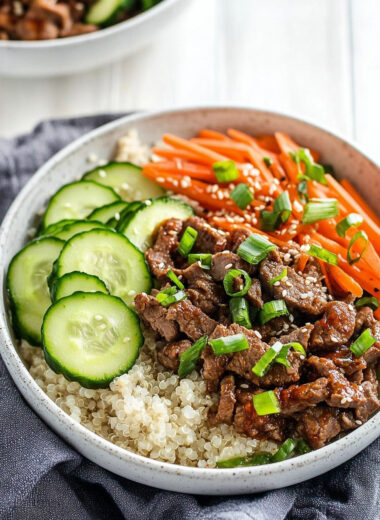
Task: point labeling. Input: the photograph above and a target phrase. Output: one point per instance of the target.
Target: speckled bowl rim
(369, 430)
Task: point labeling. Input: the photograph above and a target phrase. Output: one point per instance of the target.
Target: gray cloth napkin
(42, 478)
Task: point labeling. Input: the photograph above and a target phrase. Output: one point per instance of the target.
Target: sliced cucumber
(103, 12)
(77, 200)
(73, 282)
(91, 338)
(54, 228)
(139, 228)
(108, 212)
(27, 286)
(126, 215)
(111, 257)
(79, 226)
(126, 179)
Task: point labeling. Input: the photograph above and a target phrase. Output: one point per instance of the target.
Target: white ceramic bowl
(65, 167)
(84, 52)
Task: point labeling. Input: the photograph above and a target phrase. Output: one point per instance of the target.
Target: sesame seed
(102, 173)
(126, 339)
(257, 334)
(277, 283)
(148, 202)
(350, 307)
(160, 179)
(243, 385)
(228, 266)
(125, 186)
(117, 215)
(358, 421)
(303, 296)
(286, 257)
(284, 292)
(289, 284)
(92, 158)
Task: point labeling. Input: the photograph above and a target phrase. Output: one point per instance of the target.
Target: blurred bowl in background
(87, 51)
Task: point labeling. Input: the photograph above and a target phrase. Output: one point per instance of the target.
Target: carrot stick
(172, 153)
(213, 134)
(180, 167)
(178, 142)
(285, 143)
(344, 281)
(268, 142)
(355, 195)
(326, 275)
(237, 135)
(237, 151)
(230, 226)
(302, 261)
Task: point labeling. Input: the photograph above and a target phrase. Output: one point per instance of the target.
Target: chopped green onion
(320, 209)
(257, 459)
(323, 254)
(264, 364)
(269, 221)
(302, 447)
(229, 282)
(363, 343)
(225, 171)
(352, 220)
(267, 161)
(279, 277)
(174, 278)
(187, 241)
(255, 248)
(360, 235)
(367, 300)
(313, 170)
(204, 259)
(229, 344)
(240, 312)
(272, 309)
(266, 403)
(167, 297)
(302, 191)
(285, 450)
(242, 195)
(283, 206)
(188, 359)
(283, 354)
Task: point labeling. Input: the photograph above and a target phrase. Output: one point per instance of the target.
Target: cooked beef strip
(370, 387)
(343, 358)
(169, 355)
(300, 335)
(334, 328)
(342, 392)
(273, 328)
(159, 256)
(254, 295)
(237, 237)
(299, 397)
(202, 290)
(191, 320)
(318, 425)
(364, 319)
(224, 261)
(227, 400)
(373, 353)
(156, 316)
(209, 240)
(214, 366)
(297, 290)
(257, 426)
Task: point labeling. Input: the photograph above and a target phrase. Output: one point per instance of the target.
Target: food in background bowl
(259, 341)
(49, 19)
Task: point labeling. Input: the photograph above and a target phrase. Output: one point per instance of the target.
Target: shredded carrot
(344, 281)
(180, 167)
(212, 134)
(302, 261)
(355, 195)
(268, 142)
(172, 153)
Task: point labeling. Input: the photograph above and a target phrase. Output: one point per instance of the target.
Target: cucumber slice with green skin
(77, 200)
(126, 179)
(103, 12)
(108, 212)
(111, 257)
(73, 282)
(91, 338)
(126, 215)
(80, 226)
(27, 286)
(54, 228)
(140, 227)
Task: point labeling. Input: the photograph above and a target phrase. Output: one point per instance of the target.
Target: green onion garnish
(367, 300)
(255, 248)
(229, 282)
(188, 359)
(257, 459)
(225, 171)
(187, 241)
(272, 309)
(168, 296)
(320, 209)
(240, 312)
(174, 278)
(204, 259)
(267, 161)
(285, 450)
(302, 191)
(283, 354)
(242, 195)
(269, 221)
(352, 220)
(266, 403)
(302, 447)
(360, 235)
(313, 170)
(363, 343)
(265, 362)
(323, 254)
(279, 277)
(229, 344)
(283, 206)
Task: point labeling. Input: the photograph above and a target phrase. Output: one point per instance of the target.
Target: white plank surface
(318, 59)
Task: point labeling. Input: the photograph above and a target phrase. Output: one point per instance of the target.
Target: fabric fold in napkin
(43, 478)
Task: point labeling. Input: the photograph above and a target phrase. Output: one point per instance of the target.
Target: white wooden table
(318, 59)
